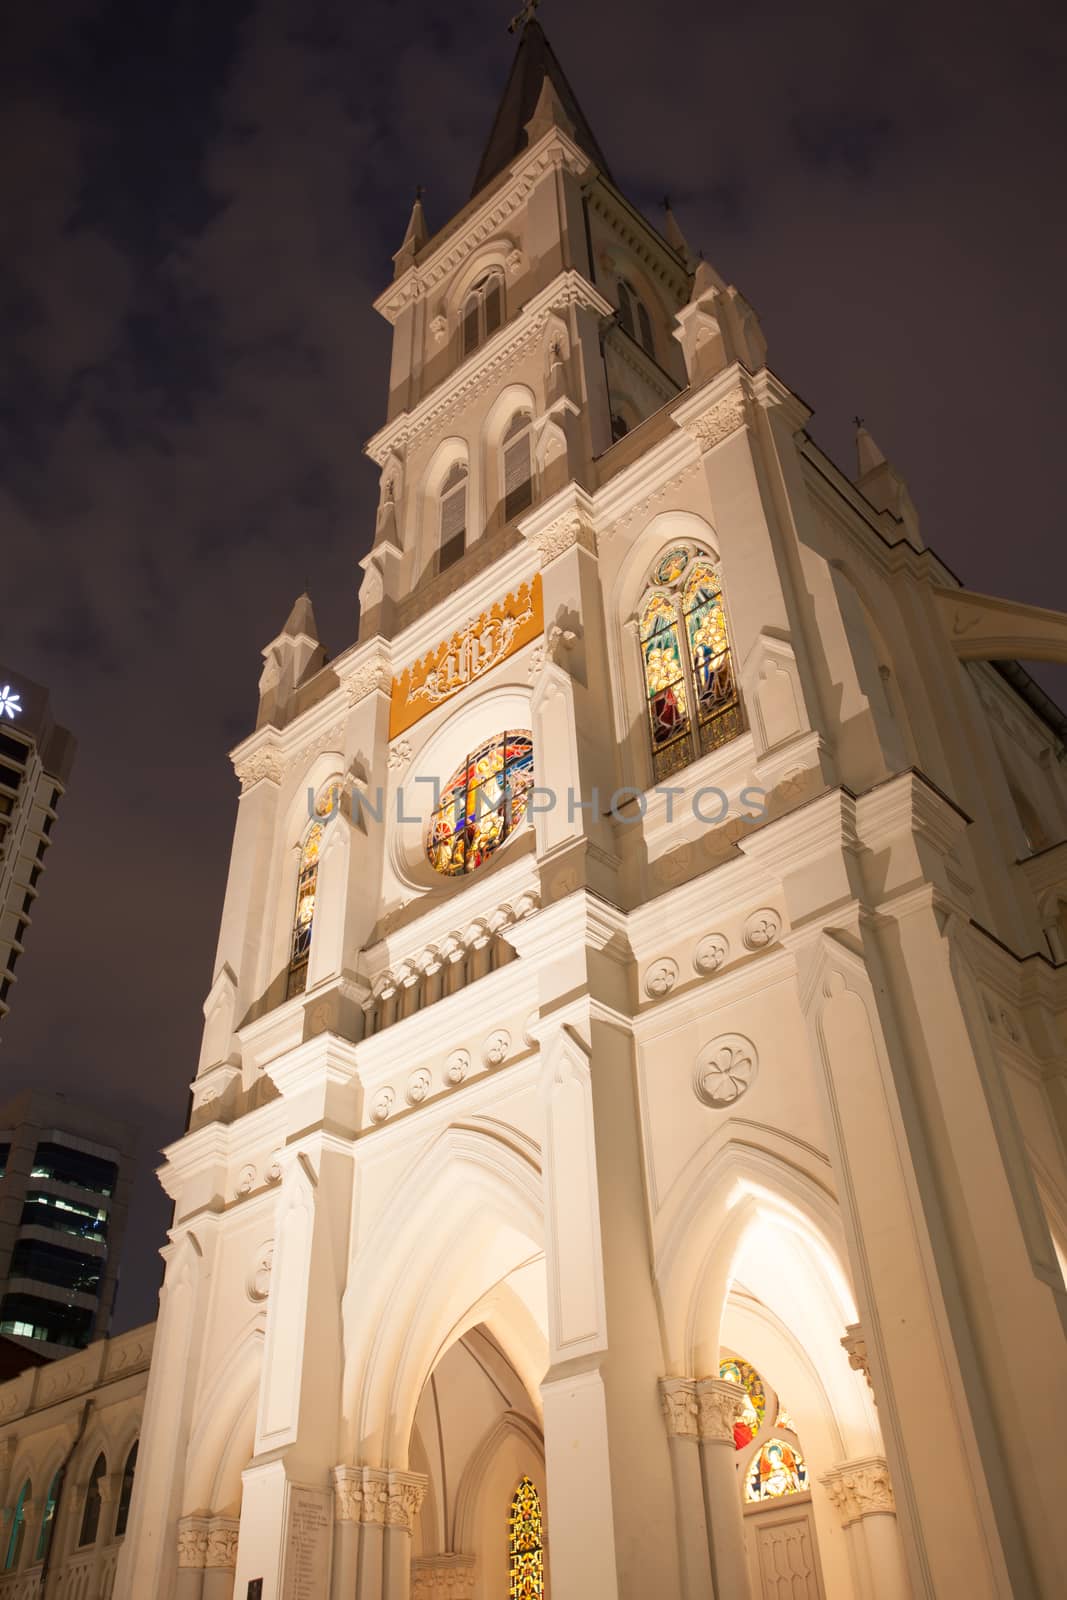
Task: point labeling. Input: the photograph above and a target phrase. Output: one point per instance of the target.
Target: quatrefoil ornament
(725, 1070)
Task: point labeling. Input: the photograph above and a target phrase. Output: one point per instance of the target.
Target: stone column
(220, 1558)
(611, 1513)
(681, 1412)
(374, 1511)
(862, 1496)
(721, 1404)
(443, 1577)
(192, 1554)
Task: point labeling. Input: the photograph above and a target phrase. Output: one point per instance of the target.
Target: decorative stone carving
(762, 928)
(860, 1489)
(854, 1345)
(515, 262)
(246, 1181)
(259, 1278)
(406, 1492)
(384, 1101)
(192, 1542)
(419, 1085)
(563, 534)
(721, 1404)
(457, 1066)
(496, 1047)
(273, 1173)
(711, 953)
(725, 1069)
(661, 978)
(399, 755)
(372, 675)
(680, 1409)
(264, 765)
(376, 1496)
(718, 422)
(443, 1577)
(222, 1537)
(438, 328)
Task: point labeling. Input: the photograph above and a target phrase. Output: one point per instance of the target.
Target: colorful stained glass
(482, 804)
(736, 1371)
(671, 566)
(526, 1544)
(776, 1470)
(704, 680)
(785, 1420)
(326, 805)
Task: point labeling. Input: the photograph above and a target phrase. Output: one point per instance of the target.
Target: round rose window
(482, 804)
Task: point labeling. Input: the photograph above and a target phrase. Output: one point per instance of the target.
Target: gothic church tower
(627, 1147)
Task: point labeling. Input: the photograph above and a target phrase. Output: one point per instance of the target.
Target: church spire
(535, 64)
(415, 237)
(288, 661)
(673, 234)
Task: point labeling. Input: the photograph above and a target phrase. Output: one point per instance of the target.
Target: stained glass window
(690, 692)
(777, 1469)
(48, 1517)
(18, 1529)
(526, 1544)
(93, 1502)
(126, 1492)
(736, 1371)
(482, 804)
(307, 881)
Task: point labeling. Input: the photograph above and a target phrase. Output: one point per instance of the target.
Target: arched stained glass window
(692, 700)
(122, 1516)
(526, 1544)
(737, 1371)
(91, 1512)
(306, 886)
(18, 1529)
(48, 1517)
(482, 804)
(775, 1470)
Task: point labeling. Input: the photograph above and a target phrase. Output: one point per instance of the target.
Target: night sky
(198, 203)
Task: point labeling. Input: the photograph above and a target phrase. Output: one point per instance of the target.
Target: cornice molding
(486, 364)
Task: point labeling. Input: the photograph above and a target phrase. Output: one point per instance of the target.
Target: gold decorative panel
(471, 652)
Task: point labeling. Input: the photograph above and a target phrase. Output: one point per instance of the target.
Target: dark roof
(535, 60)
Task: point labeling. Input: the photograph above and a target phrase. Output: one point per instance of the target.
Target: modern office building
(36, 755)
(64, 1195)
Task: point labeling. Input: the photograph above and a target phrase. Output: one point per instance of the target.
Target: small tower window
(453, 529)
(518, 465)
(93, 1501)
(634, 318)
(126, 1492)
(483, 311)
(692, 699)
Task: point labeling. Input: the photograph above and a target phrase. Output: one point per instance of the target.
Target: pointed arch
(222, 1436)
(466, 1216)
(512, 1425)
(17, 1537)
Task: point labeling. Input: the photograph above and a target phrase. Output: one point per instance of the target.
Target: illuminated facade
(36, 756)
(635, 1183)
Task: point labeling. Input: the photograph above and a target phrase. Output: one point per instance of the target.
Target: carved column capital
(192, 1542)
(719, 421)
(860, 1488)
(721, 1404)
(681, 1411)
(374, 1495)
(222, 1537)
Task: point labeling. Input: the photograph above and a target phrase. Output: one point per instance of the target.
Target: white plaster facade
(537, 1144)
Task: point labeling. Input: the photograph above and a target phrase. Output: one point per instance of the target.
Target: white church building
(627, 1154)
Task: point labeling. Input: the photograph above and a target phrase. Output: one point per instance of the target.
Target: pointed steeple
(880, 482)
(288, 661)
(535, 62)
(301, 623)
(673, 234)
(414, 239)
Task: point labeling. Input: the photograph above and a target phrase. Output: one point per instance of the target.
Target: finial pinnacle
(524, 16)
(859, 421)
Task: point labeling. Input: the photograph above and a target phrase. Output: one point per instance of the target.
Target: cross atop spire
(524, 16)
